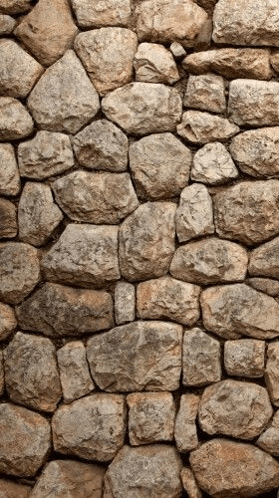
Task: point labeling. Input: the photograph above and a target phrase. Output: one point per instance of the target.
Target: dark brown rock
(8, 219)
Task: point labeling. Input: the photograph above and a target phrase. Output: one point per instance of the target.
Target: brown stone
(14, 6)
(272, 372)
(244, 358)
(213, 165)
(264, 260)
(7, 24)
(10, 489)
(15, 121)
(205, 92)
(266, 285)
(102, 13)
(190, 484)
(2, 378)
(269, 439)
(201, 360)
(201, 127)
(9, 174)
(185, 431)
(124, 302)
(8, 321)
(8, 219)
(153, 63)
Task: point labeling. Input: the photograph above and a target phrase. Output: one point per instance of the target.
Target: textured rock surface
(206, 92)
(201, 361)
(190, 484)
(124, 302)
(7, 24)
(8, 219)
(102, 13)
(15, 6)
(10, 489)
(272, 372)
(201, 127)
(2, 375)
(15, 121)
(269, 439)
(264, 260)
(8, 321)
(266, 285)
(9, 174)
(153, 63)
(185, 431)
(244, 358)
(213, 165)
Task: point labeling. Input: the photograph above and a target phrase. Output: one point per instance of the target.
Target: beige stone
(14, 6)
(7, 24)
(244, 358)
(153, 63)
(8, 321)
(269, 439)
(201, 127)
(190, 484)
(177, 50)
(264, 260)
(9, 174)
(185, 431)
(102, 13)
(213, 165)
(8, 219)
(205, 92)
(272, 372)
(15, 120)
(2, 378)
(124, 302)
(266, 285)
(274, 60)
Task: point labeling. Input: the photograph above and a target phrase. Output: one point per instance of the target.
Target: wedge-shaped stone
(201, 127)
(8, 219)
(9, 174)
(153, 63)
(190, 484)
(269, 439)
(147, 356)
(15, 120)
(213, 165)
(244, 358)
(124, 302)
(7, 24)
(14, 6)
(102, 13)
(10, 489)
(201, 359)
(205, 92)
(264, 260)
(185, 431)
(8, 321)
(272, 372)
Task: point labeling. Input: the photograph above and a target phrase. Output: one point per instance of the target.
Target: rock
(234, 310)
(25, 440)
(201, 127)
(102, 13)
(100, 198)
(190, 484)
(7, 24)
(10, 489)
(269, 439)
(194, 216)
(48, 30)
(143, 108)
(201, 359)
(124, 302)
(185, 431)
(2, 381)
(139, 472)
(153, 63)
(15, 121)
(230, 469)
(177, 50)
(167, 298)
(147, 241)
(107, 55)
(264, 260)
(244, 358)
(151, 417)
(19, 271)
(210, 261)
(91, 428)
(14, 6)
(9, 174)
(205, 92)
(274, 60)
(8, 322)
(102, 146)
(213, 165)
(84, 255)
(38, 215)
(266, 285)
(147, 356)
(272, 372)
(56, 310)
(74, 371)
(61, 478)
(64, 98)
(31, 373)
(8, 219)
(160, 166)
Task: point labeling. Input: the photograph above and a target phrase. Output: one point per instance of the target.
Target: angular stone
(264, 260)
(153, 63)
(14, 6)
(201, 127)
(7, 24)
(100, 198)
(177, 50)
(234, 310)
(56, 310)
(151, 417)
(201, 359)
(185, 431)
(92, 428)
(102, 146)
(167, 298)
(10, 489)
(64, 98)
(147, 356)
(84, 255)
(272, 372)
(269, 439)
(244, 358)
(48, 16)
(19, 271)
(124, 302)
(266, 285)
(25, 440)
(190, 484)
(160, 166)
(152, 478)
(147, 241)
(8, 219)
(213, 165)
(102, 13)
(8, 321)
(228, 469)
(205, 92)
(15, 121)
(9, 174)
(274, 60)
(143, 108)
(2, 378)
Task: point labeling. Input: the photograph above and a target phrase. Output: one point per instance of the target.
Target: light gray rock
(8, 321)
(272, 372)
(2, 378)
(177, 50)
(153, 63)
(264, 260)
(205, 92)
(7, 24)
(15, 120)
(124, 302)
(8, 219)
(185, 430)
(201, 127)
(102, 13)
(9, 174)
(269, 439)
(213, 165)
(266, 285)
(14, 6)
(201, 360)
(190, 484)
(244, 358)
(11, 489)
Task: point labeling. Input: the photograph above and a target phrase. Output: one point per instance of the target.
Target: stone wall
(139, 254)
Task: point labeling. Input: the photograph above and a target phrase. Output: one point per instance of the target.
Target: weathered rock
(248, 211)
(264, 260)
(8, 321)
(38, 215)
(9, 174)
(25, 440)
(19, 271)
(167, 298)
(153, 63)
(8, 219)
(85, 255)
(266, 285)
(272, 372)
(2, 380)
(31, 373)
(234, 310)
(107, 55)
(185, 431)
(15, 121)
(194, 216)
(48, 30)
(56, 310)
(269, 439)
(10, 489)
(190, 484)
(244, 358)
(206, 92)
(144, 108)
(228, 469)
(147, 241)
(177, 50)
(100, 198)
(139, 472)
(137, 356)
(213, 165)
(14, 6)
(102, 13)
(201, 361)
(92, 428)
(160, 166)
(124, 302)
(274, 60)
(102, 145)
(7, 24)
(201, 127)
(151, 417)
(64, 98)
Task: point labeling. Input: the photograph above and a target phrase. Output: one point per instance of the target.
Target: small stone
(244, 358)
(25, 440)
(124, 302)
(143, 108)
(64, 98)
(10, 489)
(177, 50)
(9, 174)
(19, 271)
(153, 63)
(206, 92)
(151, 417)
(48, 30)
(15, 121)
(7, 24)
(269, 439)
(274, 60)
(102, 13)
(8, 219)
(213, 165)
(84, 255)
(272, 372)
(266, 285)
(139, 355)
(100, 198)
(190, 484)
(160, 166)
(264, 260)
(57, 311)
(8, 322)
(2, 381)
(147, 241)
(194, 216)
(91, 428)
(185, 431)
(102, 146)
(14, 6)
(167, 298)
(201, 127)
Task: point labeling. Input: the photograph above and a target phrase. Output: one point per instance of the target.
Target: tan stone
(9, 174)
(190, 484)
(244, 358)
(213, 165)
(205, 92)
(8, 321)
(185, 431)
(153, 63)
(102, 13)
(10, 489)
(8, 219)
(2, 380)
(274, 60)
(15, 121)
(264, 260)
(177, 50)
(14, 6)
(7, 24)
(272, 372)
(124, 302)
(201, 127)
(269, 439)
(266, 285)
